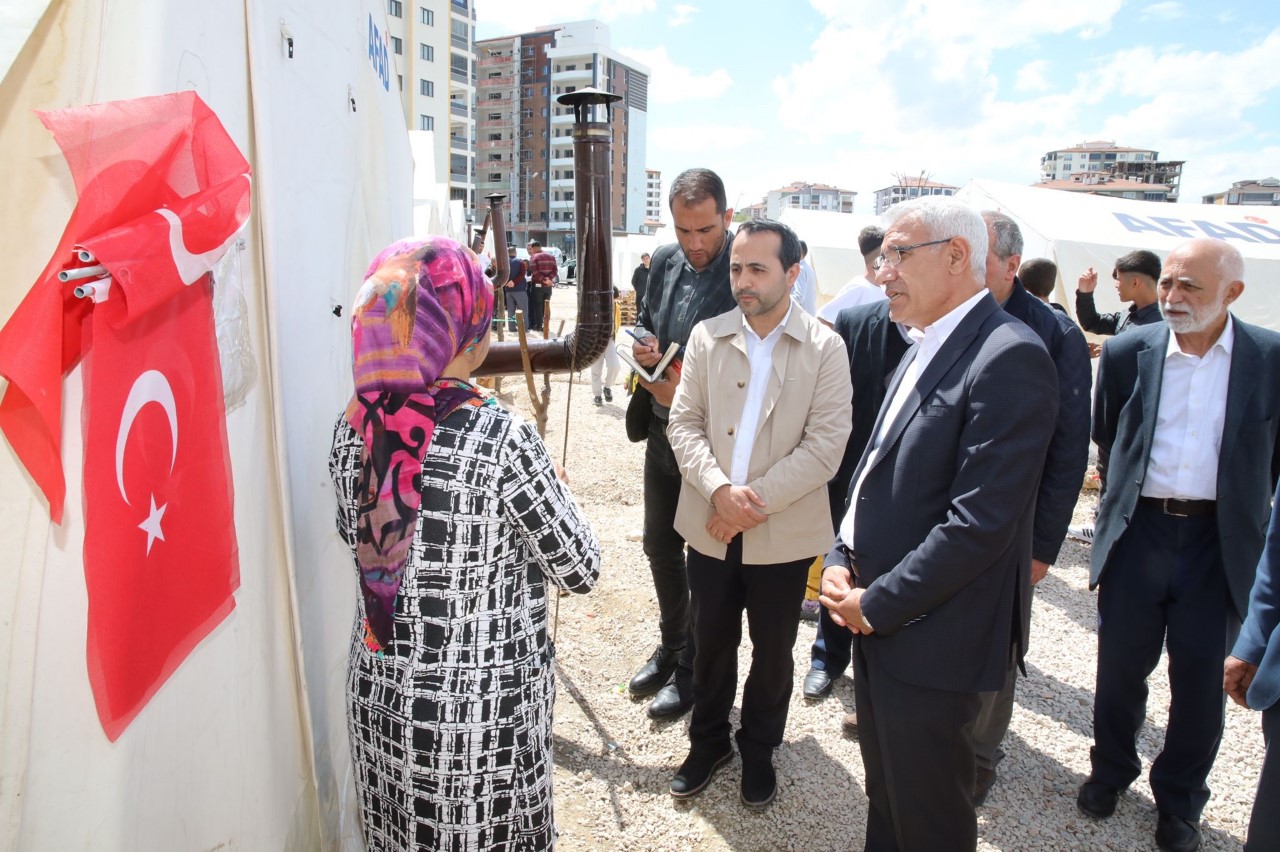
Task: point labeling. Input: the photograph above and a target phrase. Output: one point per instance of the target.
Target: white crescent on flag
(191, 267)
(150, 387)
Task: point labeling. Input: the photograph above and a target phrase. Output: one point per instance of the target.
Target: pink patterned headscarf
(423, 302)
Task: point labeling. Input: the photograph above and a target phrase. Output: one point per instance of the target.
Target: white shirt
(805, 290)
(1188, 434)
(760, 355)
(928, 343)
(859, 291)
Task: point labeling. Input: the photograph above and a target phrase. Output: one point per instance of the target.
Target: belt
(1181, 508)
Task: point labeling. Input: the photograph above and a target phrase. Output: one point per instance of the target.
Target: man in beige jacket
(758, 425)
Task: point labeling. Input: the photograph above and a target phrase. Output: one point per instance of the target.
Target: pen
(637, 337)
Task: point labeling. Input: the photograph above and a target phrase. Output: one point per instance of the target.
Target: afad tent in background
(1077, 231)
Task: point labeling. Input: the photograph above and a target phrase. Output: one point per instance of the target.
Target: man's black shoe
(817, 684)
(982, 785)
(1177, 834)
(656, 672)
(696, 771)
(759, 783)
(608, 395)
(1097, 799)
(597, 400)
(676, 698)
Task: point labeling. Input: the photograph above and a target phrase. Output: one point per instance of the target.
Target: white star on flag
(151, 526)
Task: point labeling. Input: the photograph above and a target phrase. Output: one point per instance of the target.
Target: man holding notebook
(758, 425)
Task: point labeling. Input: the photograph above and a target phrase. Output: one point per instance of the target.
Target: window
(495, 137)
(495, 157)
(495, 96)
(397, 46)
(428, 17)
(459, 64)
(395, 8)
(495, 177)
(495, 116)
(427, 87)
(428, 52)
(426, 122)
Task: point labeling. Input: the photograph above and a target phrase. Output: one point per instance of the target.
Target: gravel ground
(613, 764)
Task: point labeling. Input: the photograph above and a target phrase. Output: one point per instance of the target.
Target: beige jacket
(799, 443)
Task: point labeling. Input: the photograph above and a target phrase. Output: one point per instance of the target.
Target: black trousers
(917, 751)
(1264, 826)
(770, 594)
(1164, 587)
(663, 545)
(537, 301)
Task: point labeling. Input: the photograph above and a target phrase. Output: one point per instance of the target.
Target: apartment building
(808, 196)
(652, 201)
(1257, 192)
(524, 137)
(908, 188)
(433, 54)
(1141, 165)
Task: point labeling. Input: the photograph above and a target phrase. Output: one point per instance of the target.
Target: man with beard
(758, 424)
(1185, 419)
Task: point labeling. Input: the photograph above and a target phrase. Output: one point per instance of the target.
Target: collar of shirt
(934, 336)
(749, 333)
(1226, 341)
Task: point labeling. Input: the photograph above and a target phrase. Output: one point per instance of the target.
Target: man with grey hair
(1186, 419)
(934, 552)
(1064, 465)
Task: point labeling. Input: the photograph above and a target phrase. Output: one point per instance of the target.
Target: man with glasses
(934, 552)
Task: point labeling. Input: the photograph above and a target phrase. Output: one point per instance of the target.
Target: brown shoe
(982, 785)
(850, 725)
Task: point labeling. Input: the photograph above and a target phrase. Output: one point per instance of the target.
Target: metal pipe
(593, 226)
(82, 272)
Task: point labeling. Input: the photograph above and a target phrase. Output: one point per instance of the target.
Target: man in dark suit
(933, 559)
(875, 345)
(1064, 465)
(1185, 419)
(1251, 677)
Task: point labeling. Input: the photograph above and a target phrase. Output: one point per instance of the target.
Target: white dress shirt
(760, 355)
(928, 342)
(805, 290)
(859, 291)
(1188, 434)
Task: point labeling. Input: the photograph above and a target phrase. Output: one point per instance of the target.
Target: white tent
(833, 245)
(245, 746)
(1077, 231)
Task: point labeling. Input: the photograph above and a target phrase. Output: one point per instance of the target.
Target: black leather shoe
(1097, 799)
(982, 785)
(696, 771)
(597, 400)
(608, 395)
(817, 684)
(1177, 834)
(675, 699)
(656, 672)
(759, 783)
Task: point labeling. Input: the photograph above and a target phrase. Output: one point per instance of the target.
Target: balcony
(506, 82)
(562, 183)
(578, 75)
(459, 109)
(490, 61)
(560, 205)
(459, 143)
(495, 145)
(562, 162)
(563, 120)
(463, 78)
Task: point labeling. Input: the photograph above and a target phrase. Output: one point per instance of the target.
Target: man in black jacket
(640, 278)
(1135, 275)
(1064, 465)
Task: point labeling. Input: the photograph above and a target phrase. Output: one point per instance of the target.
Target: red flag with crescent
(162, 192)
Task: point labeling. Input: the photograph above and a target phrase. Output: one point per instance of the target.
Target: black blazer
(1130, 372)
(875, 348)
(945, 514)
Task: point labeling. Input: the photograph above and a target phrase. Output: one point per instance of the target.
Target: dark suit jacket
(1259, 641)
(1130, 372)
(1114, 323)
(1069, 450)
(944, 517)
(875, 348)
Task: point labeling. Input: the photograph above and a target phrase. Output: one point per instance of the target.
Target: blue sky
(852, 92)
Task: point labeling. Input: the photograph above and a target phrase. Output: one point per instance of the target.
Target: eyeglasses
(902, 251)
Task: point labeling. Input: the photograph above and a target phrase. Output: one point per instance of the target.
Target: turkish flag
(160, 556)
(162, 191)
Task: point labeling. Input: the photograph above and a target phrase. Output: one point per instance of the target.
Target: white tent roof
(833, 245)
(1077, 231)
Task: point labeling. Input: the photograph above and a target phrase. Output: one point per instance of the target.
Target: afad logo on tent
(1254, 229)
(379, 57)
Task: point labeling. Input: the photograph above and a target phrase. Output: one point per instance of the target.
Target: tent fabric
(1077, 231)
(245, 745)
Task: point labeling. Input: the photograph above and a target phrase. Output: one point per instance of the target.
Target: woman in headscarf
(457, 522)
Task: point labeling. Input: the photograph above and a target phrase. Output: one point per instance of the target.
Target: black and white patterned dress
(451, 727)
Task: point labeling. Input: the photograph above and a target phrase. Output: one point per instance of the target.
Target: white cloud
(682, 14)
(1167, 9)
(672, 83)
(507, 17)
(1031, 77)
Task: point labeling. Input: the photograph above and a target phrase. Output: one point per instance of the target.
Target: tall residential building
(1264, 191)
(908, 188)
(652, 201)
(1141, 165)
(808, 196)
(433, 52)
(525, 138)
(1109, 185)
